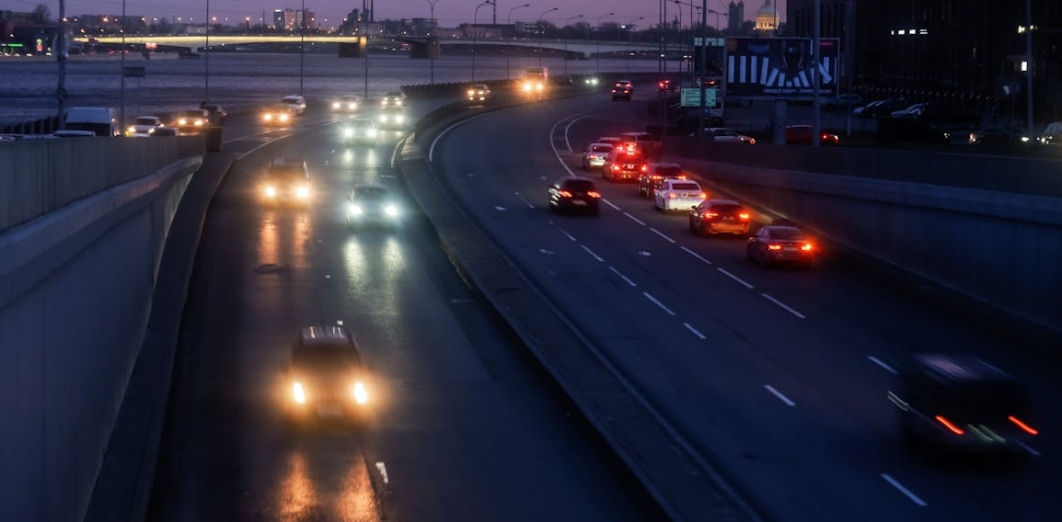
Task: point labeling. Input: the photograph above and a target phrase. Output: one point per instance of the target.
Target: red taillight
(565, 194)
(671, 195)
(704, 195)
(657, 176)
(710, 215)
(616, 168)
(774, 247)
(947, 424)
(682, 176)
(1025, 427)
(743, 215)
(645, 168)
(807, 247)
(593, 194)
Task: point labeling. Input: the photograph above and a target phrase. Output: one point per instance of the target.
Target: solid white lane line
(609, 203)
(1030, 450)
(914, 498)
(695, 254)
(878, 362)
(591, 252)
(658, 303)
(663, 235)
(565, 232)
(567, 142)
(636, 220)
(625, 278)
(778, 394)
(556, 152)
(783, 305)
(694, 330)
(735, 278)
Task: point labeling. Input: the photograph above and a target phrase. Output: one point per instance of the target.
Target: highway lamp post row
(597, 63)
(566, 20)
(431, 34)
(475, 16)
(509, 23)
(630, 36)
(543, 29)
(121, 88)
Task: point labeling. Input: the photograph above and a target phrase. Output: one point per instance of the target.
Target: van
(102, 121)
(647, 142)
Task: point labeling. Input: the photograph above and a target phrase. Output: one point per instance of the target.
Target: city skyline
(449, 13)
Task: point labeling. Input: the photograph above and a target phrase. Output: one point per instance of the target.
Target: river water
(241, 81)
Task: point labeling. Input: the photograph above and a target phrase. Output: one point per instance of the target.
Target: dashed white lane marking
(609, 203)
(735, 278)
(914, 498)
(696, 255)
(661, 234)
(878, 362)
(526, 202)
(778, 394)
(591, 252)
(625, 278)
(636, 220)
(1030, 450)
(784, 306)
(694, 330)
(383, 472)
(569, 236)
(658, 303)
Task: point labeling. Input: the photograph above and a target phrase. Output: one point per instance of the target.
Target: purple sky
(449, 12)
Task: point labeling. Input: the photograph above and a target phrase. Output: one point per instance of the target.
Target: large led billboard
(780, 67)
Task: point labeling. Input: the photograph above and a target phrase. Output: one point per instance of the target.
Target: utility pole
(60, 90)
(1029, 67)
(816, 135)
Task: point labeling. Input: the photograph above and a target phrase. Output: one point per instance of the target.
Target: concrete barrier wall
(39, 176)
(75, 294)
(1000, 248)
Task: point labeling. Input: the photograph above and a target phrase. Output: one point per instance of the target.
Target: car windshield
(291, 101)
(287, 171)
(671, 170)
(145, 121)
(581, 185)
(685, 186)
(325, 356)
(784, 233)
(192, 114)
(371, 193)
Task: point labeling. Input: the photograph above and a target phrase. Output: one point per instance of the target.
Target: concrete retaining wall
(75, 294)
(39, 176)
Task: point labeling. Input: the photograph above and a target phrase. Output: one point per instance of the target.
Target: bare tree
(42, 15)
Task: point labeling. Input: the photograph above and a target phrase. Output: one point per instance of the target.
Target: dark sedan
(775, 244)
(574, 194)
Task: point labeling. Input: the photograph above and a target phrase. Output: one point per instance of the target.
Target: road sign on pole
(692, 97)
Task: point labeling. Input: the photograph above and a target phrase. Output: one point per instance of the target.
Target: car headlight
(270, 191)
(336, 105)
(303, 191)
(399, 118)
(371, 133)
(354, 209)
(283, 117)
(298, 393)
(383, 118)
(348, 132)
(352, 106)
(361, 396)
(131, 130)
(267, 117)
(391, 210)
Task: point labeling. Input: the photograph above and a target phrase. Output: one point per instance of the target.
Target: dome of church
(766, 10)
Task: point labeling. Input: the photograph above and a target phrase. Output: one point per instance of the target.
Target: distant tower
(735, 17)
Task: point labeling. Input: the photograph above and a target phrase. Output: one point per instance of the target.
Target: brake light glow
(710, 215)
(947, 424)
(774, 247)
(565, 194)
(645, 168)
(1025, 427)
(807, 247)
(594, 194)
(671, 195)
(616, 168)
(743, 215)
(704, 195)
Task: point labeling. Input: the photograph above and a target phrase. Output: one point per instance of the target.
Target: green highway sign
(692, 97)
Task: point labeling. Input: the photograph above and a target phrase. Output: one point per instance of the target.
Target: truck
(535, 81)
(101, 121)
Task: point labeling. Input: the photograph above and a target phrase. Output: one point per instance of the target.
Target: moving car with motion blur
(359, 130)
(801, 135)
(392, 117)
(961, 405)
(625, 163)
(478, 94)
(393, 99)
(372, 204)
(346, 103)
(726, 135)
(578, 194)
(278, 115)
(651, 180)
(191, 122)
(595, 154)
(678, 194)
(776, 244)
(719, 216)
(286, 181)
(144, 126)
(666, 86)
(326, 379)
(622, 90)
(296, 103)
(591, 81)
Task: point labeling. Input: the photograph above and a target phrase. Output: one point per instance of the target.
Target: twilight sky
(450, 13)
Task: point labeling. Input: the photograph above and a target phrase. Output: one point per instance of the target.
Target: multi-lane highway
(779, 377)
(463, 426)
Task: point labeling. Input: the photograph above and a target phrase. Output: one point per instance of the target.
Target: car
(595, 154)
(478, 94)
(913, 111)
(359, 130)
(1051, 135)
(191, 122)
(144, 126)
(278, 115)
(958, 404)
(72, 133)
(286, 181)
(162, 132)
(392, 117)
(346, 103)
(296, 102)
(991, 136)
(726, 135)
(624, 163)
(880, 108)
(393, 99)
(622, 90)
(591, 81)
(564, 81)
(610, 140)
(574, 193)
(719, 216)
(650, 181)
(801, 135)
(775, 244)
(326, 376)
(373, 204)
(678, 194)
(650, 144)
(215, 114)
(666, 86)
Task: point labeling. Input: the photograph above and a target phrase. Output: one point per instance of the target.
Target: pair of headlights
(357, 391)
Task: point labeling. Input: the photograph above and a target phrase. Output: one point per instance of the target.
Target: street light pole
(630, 35)
(566, 20)
(509, 22)
(541, 36)
(431, 34)
(302, 45)
(597, 64)
(1029, 66)
(475, 15)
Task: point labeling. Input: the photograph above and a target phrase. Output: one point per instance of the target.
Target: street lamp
(566, 20)
(475, 15)
(541, 36)
(431, 34)
(509, 22)
(597, 64)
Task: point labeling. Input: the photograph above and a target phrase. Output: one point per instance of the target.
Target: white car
(725, 135)
(679, 194)
(296, 104)
(144, 126)
(595, 155)
(359, 130)
(349, 103)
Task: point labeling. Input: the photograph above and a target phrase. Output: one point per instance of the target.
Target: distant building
(735, 18)
(766, 19)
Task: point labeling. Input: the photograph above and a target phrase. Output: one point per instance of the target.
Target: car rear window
(685, 186)
(731, 209)
(669, 171)
(579, 184)
(647, 137)
(785, 233)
